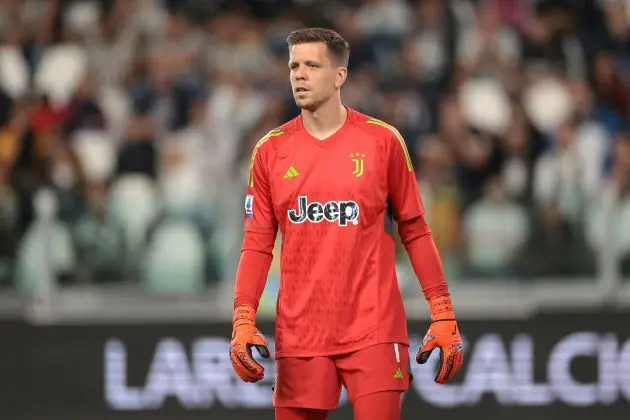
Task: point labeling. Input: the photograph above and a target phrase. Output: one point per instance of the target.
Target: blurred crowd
(126, 128)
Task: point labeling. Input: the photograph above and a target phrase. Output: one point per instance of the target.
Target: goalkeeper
(333, 181)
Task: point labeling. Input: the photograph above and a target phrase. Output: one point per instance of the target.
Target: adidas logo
(398, 374)
(291, 172)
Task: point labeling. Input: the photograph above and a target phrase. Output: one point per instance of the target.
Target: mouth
(301, 89)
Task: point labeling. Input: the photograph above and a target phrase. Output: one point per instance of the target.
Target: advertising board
(561, 366)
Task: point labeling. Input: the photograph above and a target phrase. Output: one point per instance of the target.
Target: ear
(342, 75)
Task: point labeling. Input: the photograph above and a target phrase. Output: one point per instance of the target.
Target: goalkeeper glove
(245, 335)
(443, 333)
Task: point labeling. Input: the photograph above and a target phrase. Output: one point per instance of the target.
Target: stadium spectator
(512, 109)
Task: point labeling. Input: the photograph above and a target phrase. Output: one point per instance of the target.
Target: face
(315, 78)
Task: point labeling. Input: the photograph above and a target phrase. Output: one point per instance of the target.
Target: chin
(306, 104)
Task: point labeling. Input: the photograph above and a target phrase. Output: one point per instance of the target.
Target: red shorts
(315, 382)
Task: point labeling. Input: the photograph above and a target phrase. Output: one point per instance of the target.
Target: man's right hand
(245, 335)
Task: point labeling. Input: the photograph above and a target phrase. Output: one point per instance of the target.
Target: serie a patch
(249, 206)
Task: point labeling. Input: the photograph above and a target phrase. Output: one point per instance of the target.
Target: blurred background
(126, 128)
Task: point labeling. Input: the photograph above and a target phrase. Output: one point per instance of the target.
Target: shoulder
(384, 133)
(377, 128)
(273, 139)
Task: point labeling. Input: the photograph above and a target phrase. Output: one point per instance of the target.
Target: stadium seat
(60, 71)
(135, 204)
(82, 17)
(100, 249)
(592, 142)
(182, 191)
(33, 249)
(174, 261)
(547, 103)
(116, 106)
(485, 105)
(14, 72)
(96, 152)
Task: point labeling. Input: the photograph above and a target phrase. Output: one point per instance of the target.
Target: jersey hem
(343, 350)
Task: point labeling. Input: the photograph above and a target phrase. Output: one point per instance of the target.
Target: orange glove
(443, 333)
(245, 335)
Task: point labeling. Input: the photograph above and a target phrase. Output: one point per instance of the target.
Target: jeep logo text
(343, 212)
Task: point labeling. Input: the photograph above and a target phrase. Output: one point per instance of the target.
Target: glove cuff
(441, 308)
(243, 314)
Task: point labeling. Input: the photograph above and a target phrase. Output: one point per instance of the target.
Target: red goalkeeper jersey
(334, 202)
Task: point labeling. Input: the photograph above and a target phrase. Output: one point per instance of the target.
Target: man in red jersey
(334, 180)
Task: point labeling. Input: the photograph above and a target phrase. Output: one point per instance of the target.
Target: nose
(300, 73)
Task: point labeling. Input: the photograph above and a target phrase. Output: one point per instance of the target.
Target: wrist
(243, 314)
(441, 308)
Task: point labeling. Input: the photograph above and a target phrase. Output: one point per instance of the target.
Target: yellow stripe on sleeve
(273, 133)
(398, 136)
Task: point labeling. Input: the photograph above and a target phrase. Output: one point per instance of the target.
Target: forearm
(253, 268)
(416, 237)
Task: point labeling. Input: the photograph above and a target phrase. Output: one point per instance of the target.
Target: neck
(325, 120)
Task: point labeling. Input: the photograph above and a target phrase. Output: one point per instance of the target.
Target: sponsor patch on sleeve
(249, 206)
